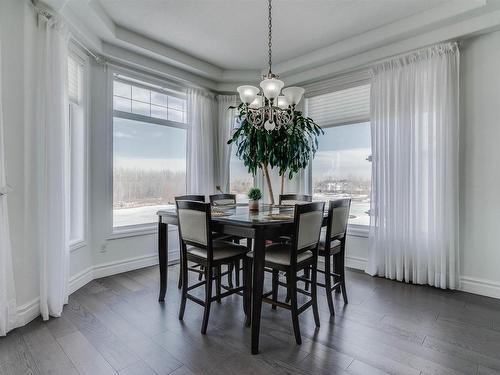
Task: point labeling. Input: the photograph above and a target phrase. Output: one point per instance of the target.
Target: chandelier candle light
(267, 108)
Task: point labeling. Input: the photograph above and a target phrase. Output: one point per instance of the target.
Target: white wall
(480, 168)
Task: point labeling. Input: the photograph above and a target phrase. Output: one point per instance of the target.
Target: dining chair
(221, 200)
(293, 199)
(293, 256)
(198, 246)
(196, 268)
(332, 248)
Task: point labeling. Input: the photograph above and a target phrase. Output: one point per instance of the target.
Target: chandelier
(271, 106)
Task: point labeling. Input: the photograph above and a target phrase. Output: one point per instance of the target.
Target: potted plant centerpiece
(254, 196)
(288, 148)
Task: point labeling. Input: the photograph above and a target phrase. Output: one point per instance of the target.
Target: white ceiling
(222, 43)
(232, 34)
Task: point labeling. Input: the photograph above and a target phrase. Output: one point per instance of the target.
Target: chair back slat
(192, 197)
(339, 217)
(222, 199)
(293, 199)
(194, 222)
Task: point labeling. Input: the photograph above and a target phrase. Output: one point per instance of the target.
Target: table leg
(257, 287)
(163, 258)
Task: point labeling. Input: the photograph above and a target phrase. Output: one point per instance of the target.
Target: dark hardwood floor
(115, 325)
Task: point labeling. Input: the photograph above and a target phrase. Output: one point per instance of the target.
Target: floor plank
(115, 325)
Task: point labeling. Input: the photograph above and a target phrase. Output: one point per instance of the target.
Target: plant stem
(268, 181)
(282, 183)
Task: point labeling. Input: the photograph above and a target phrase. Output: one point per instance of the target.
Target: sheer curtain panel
(415, 130)
(225, 124)
(52, 183)
(201, 145)
(8, 305)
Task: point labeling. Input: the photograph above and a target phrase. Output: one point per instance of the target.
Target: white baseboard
(27, 312)
(80, 279)
(356, 263)
(480, 286)
(112, 268)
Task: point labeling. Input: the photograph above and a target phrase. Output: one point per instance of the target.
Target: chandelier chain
(270, 34)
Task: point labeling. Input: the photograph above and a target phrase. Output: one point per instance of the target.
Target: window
(148, 102)
(240, 180)
(341, 167)
(149, 151)
(77, 146)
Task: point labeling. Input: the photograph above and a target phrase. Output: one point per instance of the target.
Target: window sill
(137, 230)
(358, 230)
(133, 231)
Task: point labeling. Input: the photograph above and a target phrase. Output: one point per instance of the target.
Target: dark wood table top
(241, 215)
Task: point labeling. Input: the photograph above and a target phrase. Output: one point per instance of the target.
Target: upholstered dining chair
(198, 246)
(197, 267)
(293, 199)
(293, 256)
(332, 248)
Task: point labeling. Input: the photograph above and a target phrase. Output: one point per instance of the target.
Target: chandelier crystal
(271, 106)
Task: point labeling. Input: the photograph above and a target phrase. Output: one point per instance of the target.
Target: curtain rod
(47, 12)
(98, 59)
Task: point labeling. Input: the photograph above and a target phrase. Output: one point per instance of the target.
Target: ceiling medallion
(271, 106)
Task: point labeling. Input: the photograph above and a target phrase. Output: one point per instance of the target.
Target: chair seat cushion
(334, 245)
(222, 250)
(280, 254)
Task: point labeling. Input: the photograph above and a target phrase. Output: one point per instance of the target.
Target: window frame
(143, 81)
(82, 58)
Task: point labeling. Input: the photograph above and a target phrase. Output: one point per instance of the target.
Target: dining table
(268, 223)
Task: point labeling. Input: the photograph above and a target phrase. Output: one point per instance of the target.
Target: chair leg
(237, 272)
(294, 309)
(247, 281)
(182, 307)
(218, 282)
(287, 298)
(275, 287)
(328, 284)
(230, 268)
(208, 299)
(246, 304)
(307, 275)
(314, 293)
(179, 283)
(200, 276)
(342, 276)
(336, 269)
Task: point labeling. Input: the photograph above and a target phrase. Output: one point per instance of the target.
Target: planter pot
(253, 205)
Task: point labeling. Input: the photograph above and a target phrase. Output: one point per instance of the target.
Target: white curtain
(8, 305)
(415, 130)
(201, 146)
(52, 135)
(225, 124)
